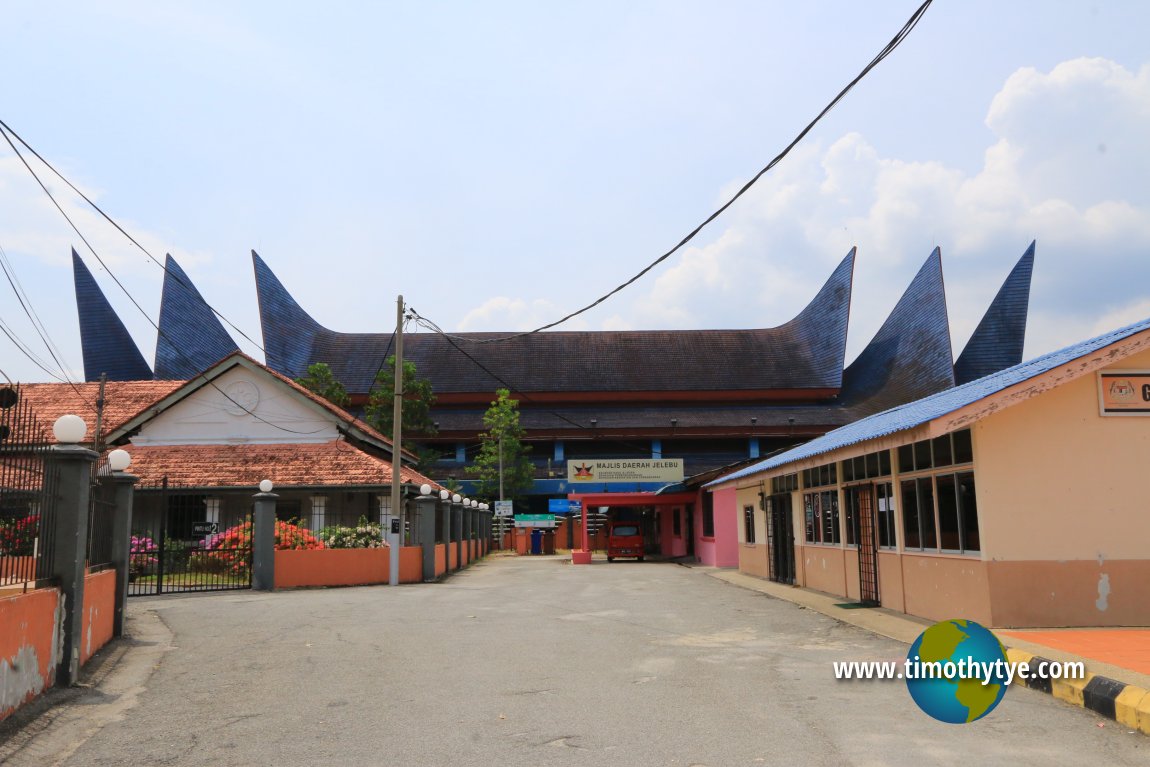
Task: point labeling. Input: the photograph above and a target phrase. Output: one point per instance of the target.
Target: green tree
(320, 380)
(418, 398)
(503, 430)
(417, 401)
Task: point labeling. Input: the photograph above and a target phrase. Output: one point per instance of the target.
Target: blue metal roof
(935, 406)
(910, 356)
(804, 353)
(108, 347)
(997, 341)
(191, 337)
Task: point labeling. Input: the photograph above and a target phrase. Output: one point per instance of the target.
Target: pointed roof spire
(820, 330)
(998, 340)
(910, 356)
(288, 330)
(107, 345)
(191, 336)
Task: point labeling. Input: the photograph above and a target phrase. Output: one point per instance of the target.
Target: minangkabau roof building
(709, 397)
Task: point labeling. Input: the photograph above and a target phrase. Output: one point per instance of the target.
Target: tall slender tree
(503, 434)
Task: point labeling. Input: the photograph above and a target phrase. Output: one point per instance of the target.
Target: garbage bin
(536, 541)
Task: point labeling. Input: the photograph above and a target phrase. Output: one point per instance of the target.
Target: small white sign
(504, 508)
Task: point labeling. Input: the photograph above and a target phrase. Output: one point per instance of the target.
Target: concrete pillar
(69, 470)
(425, 509)
(468, 530)
(457, 532)
(264, 542)
(123, 491)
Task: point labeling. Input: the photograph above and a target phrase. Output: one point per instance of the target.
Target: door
(863, 502)
(780, 539)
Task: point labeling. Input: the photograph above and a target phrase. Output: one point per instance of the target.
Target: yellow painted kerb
(1070, 690)
(1126, 707)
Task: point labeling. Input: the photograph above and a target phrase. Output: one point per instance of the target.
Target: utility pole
(395, 534)
(501, 489)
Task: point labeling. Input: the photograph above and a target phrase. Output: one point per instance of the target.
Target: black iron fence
(27, 496)
(186, 539)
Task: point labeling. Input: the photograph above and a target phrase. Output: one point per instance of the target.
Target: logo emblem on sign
(1122, 390)
(584, 472)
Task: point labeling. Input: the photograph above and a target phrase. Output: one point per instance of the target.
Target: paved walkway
(528, 661)
(1126, 649)
(1122, 655)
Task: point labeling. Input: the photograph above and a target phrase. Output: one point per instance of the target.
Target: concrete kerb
(1124, 702)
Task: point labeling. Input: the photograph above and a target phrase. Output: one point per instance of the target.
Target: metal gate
(867, 545)
(185, 539)
(780, 539)
(27, 496)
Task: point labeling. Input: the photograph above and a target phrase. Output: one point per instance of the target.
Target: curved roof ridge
(107, 346)
(289, 331)
(804, 354)
(823, 322)
(191, 336)
(997, 342)
(910, 355)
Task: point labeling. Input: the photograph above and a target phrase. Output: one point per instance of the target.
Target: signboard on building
(625, 470)
(558, 505)
(1124, 392)
(504, 508)
(535, 520)
(205, 528)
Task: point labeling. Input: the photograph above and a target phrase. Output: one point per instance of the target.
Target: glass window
(851, 514)
(830, 511)
(749, 524)
(911, 533)
(906, 458)
(968, 508)
(884, 503)
(884, 463)
(942, 451)
(872, 465)
(708, 515)
(946, 491)
(963, 452)
(849, 470)
(809, 503)
(922, 455)
(926, 512)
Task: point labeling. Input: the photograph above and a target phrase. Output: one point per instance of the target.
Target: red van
(625, 539)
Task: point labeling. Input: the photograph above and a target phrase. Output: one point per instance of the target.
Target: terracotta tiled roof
(327, 464)
(122, 400)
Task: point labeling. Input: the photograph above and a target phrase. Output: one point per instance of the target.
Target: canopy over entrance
(582, 556)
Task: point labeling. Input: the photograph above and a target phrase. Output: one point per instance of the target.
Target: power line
(132, 298)
(426, 323)
(37, 324)
(7, 129)
(889, 48)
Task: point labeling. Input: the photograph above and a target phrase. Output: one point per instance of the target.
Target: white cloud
(1044, 177)
(501, 313)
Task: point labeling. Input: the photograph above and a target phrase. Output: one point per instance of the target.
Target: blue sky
(503, 163)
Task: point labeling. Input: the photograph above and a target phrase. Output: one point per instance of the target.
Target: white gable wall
(208, 417)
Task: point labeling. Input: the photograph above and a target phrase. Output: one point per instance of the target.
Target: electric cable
(889, 48)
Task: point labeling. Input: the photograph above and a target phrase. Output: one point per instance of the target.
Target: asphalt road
(526, 661)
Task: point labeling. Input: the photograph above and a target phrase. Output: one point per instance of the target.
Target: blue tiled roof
(805, 353)
(910, 356)
(935, 406)
(191, 337)
(108, 347)
(997, 341)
